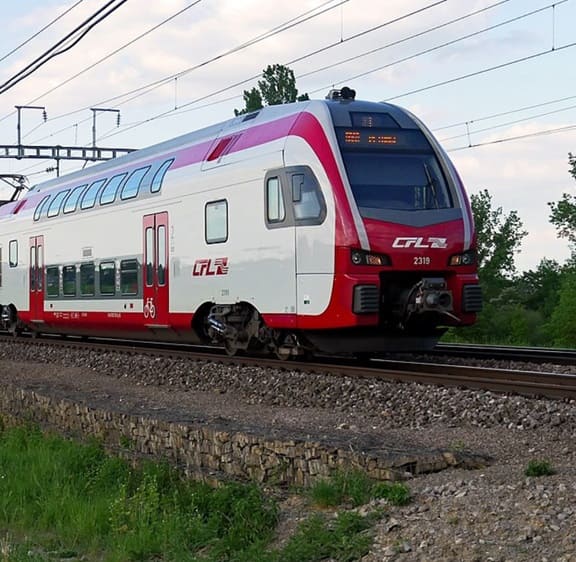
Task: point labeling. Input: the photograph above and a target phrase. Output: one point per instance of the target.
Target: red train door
(36, 279)
(156, 270)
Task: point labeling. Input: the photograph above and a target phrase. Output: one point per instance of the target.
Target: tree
(563, 215)
(277, 86)
(499, 238)
(562, 325)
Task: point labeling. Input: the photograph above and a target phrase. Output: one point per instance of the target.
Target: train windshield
(394, 181)
(392, 170)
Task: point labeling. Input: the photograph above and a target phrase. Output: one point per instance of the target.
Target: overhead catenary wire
(291, 23)
(64, 44)
(404, 59)
(49, 24)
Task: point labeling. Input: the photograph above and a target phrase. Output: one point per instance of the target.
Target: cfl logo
(420, 242)
(207, 266)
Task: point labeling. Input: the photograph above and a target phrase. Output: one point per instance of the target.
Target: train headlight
(362, 257)
(467, 258)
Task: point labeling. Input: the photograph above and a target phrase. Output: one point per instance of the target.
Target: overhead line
(60, 47)
(504, 113)
(483, 71)
(517, 137)
(139, 91)
(40, 31)
(507, 123)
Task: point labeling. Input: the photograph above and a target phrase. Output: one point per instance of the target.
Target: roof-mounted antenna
(344, 94)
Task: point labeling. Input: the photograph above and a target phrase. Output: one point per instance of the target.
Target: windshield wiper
(431, 184)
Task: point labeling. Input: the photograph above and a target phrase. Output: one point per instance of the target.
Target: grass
(356, 488)
(539, 468)
(61, 500)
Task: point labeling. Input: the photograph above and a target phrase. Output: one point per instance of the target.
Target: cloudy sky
(493, 79)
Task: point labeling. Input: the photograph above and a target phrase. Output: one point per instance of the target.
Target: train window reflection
(107, 272)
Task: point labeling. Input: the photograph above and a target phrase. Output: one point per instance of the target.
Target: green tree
(562, 326)
(499, 238)
(563, 215)
(277, 86)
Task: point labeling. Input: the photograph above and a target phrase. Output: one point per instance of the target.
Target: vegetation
(355, 488)
(277, 86)
(539, 468)
(60, 500)
(536, 307)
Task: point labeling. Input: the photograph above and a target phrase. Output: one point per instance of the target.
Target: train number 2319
(421, 260)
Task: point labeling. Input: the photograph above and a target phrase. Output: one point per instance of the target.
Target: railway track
(513, 381)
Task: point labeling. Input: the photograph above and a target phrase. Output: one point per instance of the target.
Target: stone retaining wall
(208, 452)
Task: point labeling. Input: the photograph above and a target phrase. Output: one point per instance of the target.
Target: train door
(156, 273)
(36, 279)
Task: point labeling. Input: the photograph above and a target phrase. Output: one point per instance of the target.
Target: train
(332, 225)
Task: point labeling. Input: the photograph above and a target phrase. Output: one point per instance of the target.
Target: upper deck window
(132, 185)
(89, 197)
(156, 184)
(40, 207)
(54, 208)
(72, 201)
(109, 193)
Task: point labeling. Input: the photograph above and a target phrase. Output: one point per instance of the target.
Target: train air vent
(472, 298)
(223, 147)
(366, 299)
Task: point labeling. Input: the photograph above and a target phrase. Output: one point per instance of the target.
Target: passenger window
(69, 280)
(87, 276)
(159, 176)
(306, 198)
(129, 277)
(89, 198)
(13, 253)
(40, 208)
(275, 211)
(110, 191)
(52, 281)
(72, 201)
(162, 255)
(149, 257)
(216, 222)
(107, 271)
(54, 208)
(132, 185)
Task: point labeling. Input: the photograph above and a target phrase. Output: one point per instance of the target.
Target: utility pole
(95, 110)
(19, 108)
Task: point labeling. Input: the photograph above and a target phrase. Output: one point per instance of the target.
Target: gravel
(493, 514)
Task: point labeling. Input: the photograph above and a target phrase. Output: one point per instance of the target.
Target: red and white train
(329, 225)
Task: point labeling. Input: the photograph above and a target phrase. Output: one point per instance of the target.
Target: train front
(414, 268)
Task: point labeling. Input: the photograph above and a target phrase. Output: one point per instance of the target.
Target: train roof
(340, 109)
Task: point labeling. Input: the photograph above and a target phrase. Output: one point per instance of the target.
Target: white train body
(242, 234)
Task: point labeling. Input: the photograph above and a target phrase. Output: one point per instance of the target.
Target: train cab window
(54, 208)
(72, 200)
(156, 184)
(69, 280)
(129, 277)
(109, 193)
(53, 281)
(87, 279)
(41, 206)
(107, 274)
(308, 203)
(133, 183)
(89, 197)
(275, 210)
(13, 253)
(216, 222)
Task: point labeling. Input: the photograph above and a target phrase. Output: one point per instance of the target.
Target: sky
(493, 79)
